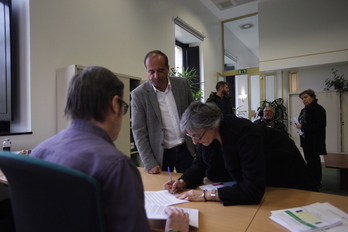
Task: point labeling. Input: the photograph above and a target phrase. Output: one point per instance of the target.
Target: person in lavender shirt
(95, 105)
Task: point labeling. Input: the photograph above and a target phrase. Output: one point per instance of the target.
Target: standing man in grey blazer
(157, 106)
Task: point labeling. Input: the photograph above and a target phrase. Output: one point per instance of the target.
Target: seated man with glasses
(269, 120)
(95, 105)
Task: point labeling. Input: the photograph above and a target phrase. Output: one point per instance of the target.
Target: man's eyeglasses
(197, 138)
(125, 106)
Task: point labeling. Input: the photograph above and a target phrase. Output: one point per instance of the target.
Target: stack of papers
(157, 201)
(217, 185)
(314, 217)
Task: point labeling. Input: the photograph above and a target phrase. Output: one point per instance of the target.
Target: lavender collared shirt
(89, 149)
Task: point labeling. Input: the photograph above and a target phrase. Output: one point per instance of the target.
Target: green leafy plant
(238, 112)
(189, 74)
(278, 106)
(338, 82)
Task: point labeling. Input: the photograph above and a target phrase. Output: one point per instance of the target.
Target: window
(188, 58)
(178, 56)
(270, 87)
(187, 42)
(293, 82)
(5, 66)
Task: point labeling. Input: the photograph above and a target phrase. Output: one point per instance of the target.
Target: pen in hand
(170, 175)
(170, 178)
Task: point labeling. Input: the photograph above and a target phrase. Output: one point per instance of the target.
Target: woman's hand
(192, 195)
(298, 126)
(177, 186)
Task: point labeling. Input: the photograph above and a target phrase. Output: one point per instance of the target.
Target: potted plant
(238, 112)
(190, 74)
(338, 82)
(278, 106)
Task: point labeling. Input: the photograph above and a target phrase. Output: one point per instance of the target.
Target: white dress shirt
(173, 136)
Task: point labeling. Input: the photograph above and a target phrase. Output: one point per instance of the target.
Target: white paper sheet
(157, 212)
(295, 121)
(162, 197)
(157, 201)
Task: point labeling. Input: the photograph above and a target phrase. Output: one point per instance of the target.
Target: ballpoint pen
(170, 175)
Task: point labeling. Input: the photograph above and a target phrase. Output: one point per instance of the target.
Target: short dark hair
(310, 93)
(220, 84)
(157, 52)
(200, 116)
(90, 93)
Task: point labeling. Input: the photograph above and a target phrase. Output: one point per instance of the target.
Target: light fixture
(181, 23)
(243, 96)
(246, 26)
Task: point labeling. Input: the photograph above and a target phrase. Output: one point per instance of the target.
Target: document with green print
(314, 217)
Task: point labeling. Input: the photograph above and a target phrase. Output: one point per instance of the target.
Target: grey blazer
(147, 120)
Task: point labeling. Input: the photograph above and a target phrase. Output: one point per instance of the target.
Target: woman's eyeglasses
(197, 138)
(125, 106)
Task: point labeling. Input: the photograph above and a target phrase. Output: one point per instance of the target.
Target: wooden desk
(213, 216)
(339, 161)
(282, 198)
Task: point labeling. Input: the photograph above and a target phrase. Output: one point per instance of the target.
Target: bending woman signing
(234, 149)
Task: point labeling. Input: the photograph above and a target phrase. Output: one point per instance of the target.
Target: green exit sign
(242, 71)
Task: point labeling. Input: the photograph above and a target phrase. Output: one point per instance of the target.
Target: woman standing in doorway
(312, 121)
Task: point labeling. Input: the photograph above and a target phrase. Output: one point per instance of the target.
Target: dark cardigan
(314, 128)
(225, 104)
(253, 156)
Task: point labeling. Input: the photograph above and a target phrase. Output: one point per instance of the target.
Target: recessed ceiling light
(246, 26)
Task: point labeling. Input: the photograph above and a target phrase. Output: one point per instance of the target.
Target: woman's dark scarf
(302, 118)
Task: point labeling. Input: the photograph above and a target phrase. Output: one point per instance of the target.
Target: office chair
(48, 197)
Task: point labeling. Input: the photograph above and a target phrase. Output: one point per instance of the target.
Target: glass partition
(241, 42)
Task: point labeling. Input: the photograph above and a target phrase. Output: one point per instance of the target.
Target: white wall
(118, 33)
(309, 37)
(314, 77)
(297, 33)
(246, 59)
(111, 33)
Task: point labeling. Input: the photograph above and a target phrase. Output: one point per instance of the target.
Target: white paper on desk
(2, 176)
(162, 197)
(157, 212)
(217, 185)
(295, 121)
(326, 215)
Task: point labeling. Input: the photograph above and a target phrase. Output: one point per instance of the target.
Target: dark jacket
(225, 104)
(275, 124)
(253, 156)
(313, 120)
